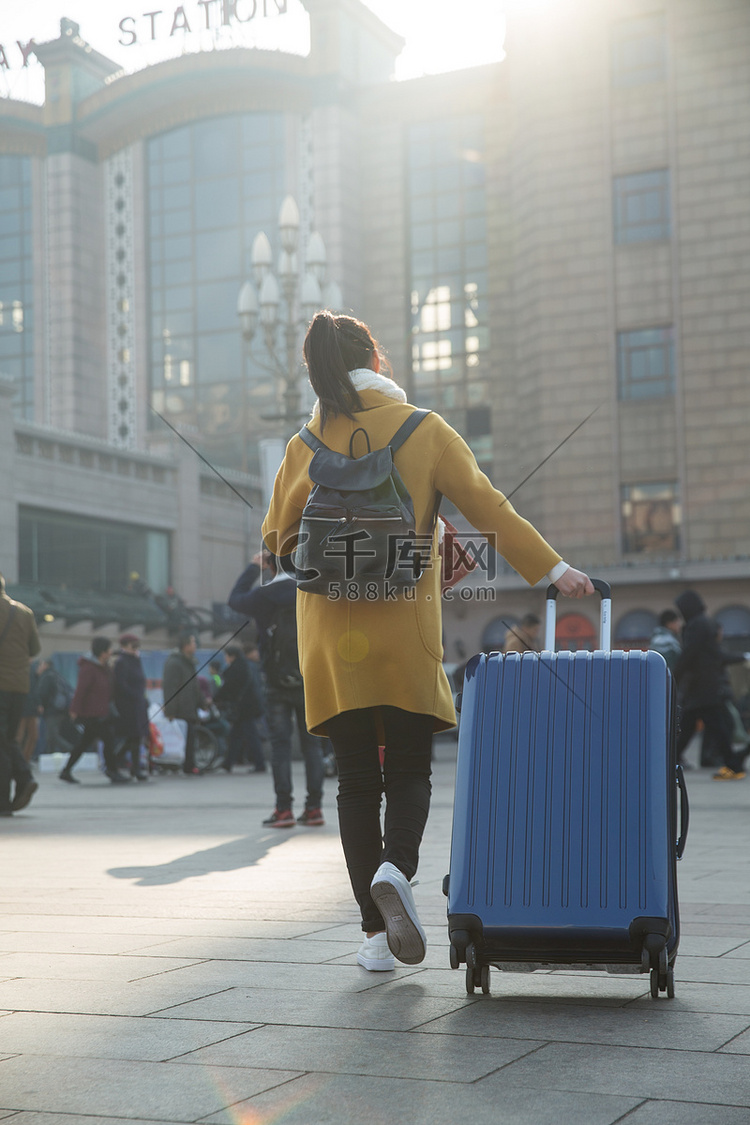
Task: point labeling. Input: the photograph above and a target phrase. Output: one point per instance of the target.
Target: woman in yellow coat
(373, 670)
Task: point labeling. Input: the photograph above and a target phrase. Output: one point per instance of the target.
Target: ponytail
(334, 346)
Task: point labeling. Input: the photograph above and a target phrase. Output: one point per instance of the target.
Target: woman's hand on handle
(574, 584)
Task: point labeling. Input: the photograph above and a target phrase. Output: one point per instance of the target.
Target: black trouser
(188, 766)
(53, 739)
(130, 751)
(13, 765)
(95, 730)
(405, 779)
(717, 727)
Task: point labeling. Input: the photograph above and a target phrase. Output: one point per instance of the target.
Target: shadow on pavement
(231, 856)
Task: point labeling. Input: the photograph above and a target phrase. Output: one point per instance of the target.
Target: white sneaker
(374, 954)
(392, 895)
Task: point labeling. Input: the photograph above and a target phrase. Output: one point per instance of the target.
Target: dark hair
(668, 616)
(100, 645)
(233, 650)
(334, 346)
(186, 638)
(529, 619)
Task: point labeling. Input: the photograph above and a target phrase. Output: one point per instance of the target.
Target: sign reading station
(202, 15)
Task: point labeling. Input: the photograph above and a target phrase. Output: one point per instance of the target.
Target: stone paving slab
(393, 1054)
(79, 966)
(211, 976)
(65, 943)
(135, 998)
(109, 1087)
(109, 1037)
(599, 989)
(306, 950)
(319, 1099)
(631, 1072)
(154, 928)
(74, 1119)
(732, 1000)
(686, 1113)
(377, 1009)
(568, 1023)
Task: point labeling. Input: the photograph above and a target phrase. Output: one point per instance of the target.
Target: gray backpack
(357, 536)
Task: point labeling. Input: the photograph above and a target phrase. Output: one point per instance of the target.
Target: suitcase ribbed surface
(564, 798)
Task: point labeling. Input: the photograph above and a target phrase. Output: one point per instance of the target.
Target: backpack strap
(398, 439)
(408, 428)
(310, 439)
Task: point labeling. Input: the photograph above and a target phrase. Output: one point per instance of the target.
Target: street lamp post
(282, 303)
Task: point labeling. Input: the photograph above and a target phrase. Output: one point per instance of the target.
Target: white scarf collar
(365, 379)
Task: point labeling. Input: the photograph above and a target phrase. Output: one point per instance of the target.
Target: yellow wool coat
(356, 654)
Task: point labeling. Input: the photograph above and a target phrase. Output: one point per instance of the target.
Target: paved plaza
(164, 958)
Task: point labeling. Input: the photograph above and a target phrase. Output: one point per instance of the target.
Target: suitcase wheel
(454, 957)
(670, 984)
(662, 982)
(478, 977)
(471, 956)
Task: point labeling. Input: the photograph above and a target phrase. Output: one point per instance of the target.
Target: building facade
(551, 249)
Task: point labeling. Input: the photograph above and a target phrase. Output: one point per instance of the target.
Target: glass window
(16, 275)
(88, 554)
(217, 255)
(215, 149)
(217, 203)
(651, 518)
(201, 227)
(641, 207)
(445, 184)
(645, 363)
(639, 50)
(219, 356)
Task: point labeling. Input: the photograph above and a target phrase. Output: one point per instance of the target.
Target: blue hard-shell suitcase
(565, 826)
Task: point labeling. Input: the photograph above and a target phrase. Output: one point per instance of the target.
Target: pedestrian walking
(273, 606)
(239, 698)
(55, 697)
(28, 728)
(92, 710)
(131, 704)
(703, 687)
(19, 644)
(666, 637)
(372, 669)
(183, 697)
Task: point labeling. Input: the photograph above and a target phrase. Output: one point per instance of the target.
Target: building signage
(201, 15)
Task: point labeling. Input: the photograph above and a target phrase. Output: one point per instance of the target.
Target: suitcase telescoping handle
(605, 631)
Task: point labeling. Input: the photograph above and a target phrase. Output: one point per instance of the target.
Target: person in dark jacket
(92, 707)
(131, 703)
(55, 695)
(182, 694)
(272, 603)
(703, 686)
(19, 644)
(239, 697)
(665, 638)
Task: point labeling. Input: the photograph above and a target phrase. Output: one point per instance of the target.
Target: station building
(552, 250)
